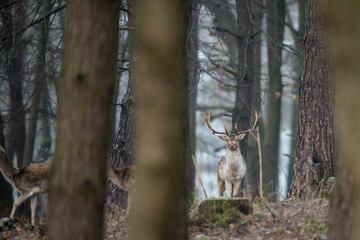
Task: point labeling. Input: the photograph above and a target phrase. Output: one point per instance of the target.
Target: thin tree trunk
(14, 53)
(298, 38)
(123, 147)
(122, 54)
(46, 139)
(245, 81)
(5, 187)
(225, 24)
(275, 17)
(162, 127)
(252, 152)
(39, 87)
(86, 85)
(315, 143)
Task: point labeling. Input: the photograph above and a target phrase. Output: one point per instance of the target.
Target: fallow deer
(231, 169)
(30, 181)
(124, 178)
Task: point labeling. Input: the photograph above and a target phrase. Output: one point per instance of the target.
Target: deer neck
(7, 170)
(234, 158)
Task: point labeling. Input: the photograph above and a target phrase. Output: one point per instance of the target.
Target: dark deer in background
(231, 169)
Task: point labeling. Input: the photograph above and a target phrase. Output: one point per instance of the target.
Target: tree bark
(162, 121)
(299, 46)
(225, 26)
(275, 17)
(45, 132)
(252, 151)
(245, 80)
(13, 19)
(39, 87)
(121, 153)
(86, 84)
(315, 143)
(5, 187)
(342, 21)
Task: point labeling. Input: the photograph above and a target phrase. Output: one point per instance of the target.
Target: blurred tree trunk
(162, 126)
(85, 93)
(343, 22)
(121, 153)
(39, 85)
(13, 19)
(275, 18)
(252, 151)
(193, 67)
(315, 143)
(6, 200)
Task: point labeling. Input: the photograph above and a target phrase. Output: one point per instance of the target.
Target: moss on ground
(223, 211)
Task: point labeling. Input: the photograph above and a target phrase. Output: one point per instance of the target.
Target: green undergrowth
(314, 226)
(220, 212)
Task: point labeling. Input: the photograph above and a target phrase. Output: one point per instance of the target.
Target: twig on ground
(268, 208)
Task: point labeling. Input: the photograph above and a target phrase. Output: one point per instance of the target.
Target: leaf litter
(288, 219)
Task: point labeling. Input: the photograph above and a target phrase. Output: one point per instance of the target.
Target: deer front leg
(221, 187)
(33, 201)
(228, 189)
(236, 188)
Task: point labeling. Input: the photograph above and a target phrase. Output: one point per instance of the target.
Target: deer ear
(240, 136)
(223, 138)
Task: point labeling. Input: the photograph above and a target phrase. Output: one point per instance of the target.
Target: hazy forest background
(229, 56)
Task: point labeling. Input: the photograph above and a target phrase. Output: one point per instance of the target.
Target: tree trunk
(122, 150)
(252, 151)
(193, 66)
(13, 19)
(162, 127)
(86, 84)
(315, 143)
(5, 187)
(342, 20)
(123, 50)
(299, 46)
(46, 139)
(245, 80)
(224, 21)
(39, 87)
(275, 17)
(123, 147)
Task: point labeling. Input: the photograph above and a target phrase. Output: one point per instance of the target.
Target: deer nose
(232, 147)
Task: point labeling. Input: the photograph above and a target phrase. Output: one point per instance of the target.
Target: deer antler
(211, 128)
(257, 116)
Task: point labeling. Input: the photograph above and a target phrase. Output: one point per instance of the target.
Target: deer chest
(232, 172)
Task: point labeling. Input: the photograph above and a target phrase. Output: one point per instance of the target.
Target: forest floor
(286, 219)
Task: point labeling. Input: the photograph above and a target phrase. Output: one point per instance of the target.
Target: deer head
(235, 136)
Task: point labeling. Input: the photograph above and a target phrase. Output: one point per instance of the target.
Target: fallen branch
(198, 175)
(257, 138)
